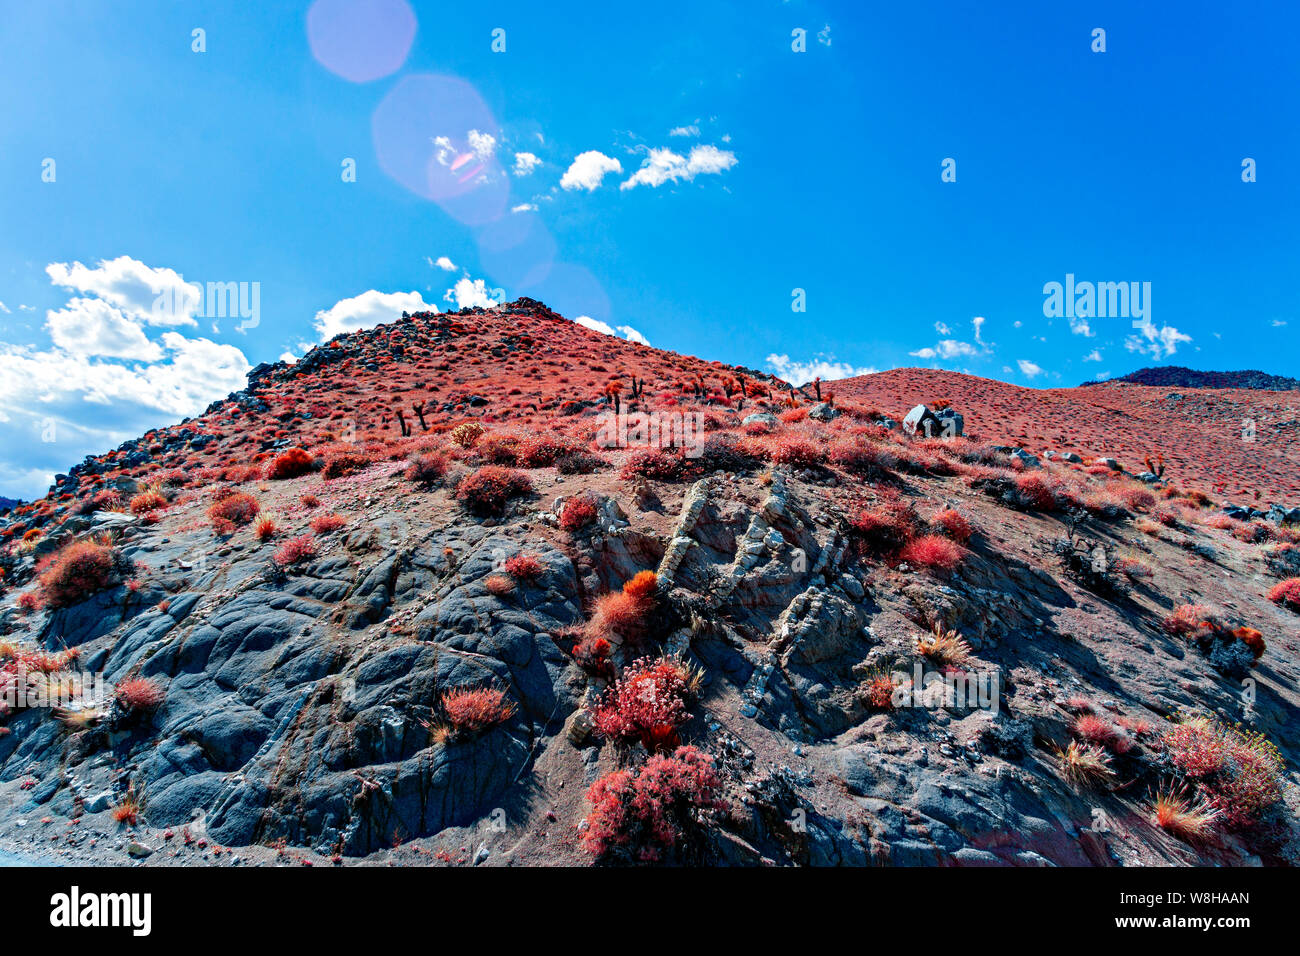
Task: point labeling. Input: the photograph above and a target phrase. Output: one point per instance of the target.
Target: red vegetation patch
(264, 529)
(146, 502)
(933, 551)
(1287, 594)
(290, 464)
(579, 511)
(233, 510)
(473, 710)
(76, 572)
(498, 584)
(427, 469)
(139, 694)
(648, 703)
(524, 567)
(1238, 771)
(798, 453)
(488, 490)
(953, 524)
(301, 548)
(1100, 731)
(626, 612)
(645, 816)
(324, 524)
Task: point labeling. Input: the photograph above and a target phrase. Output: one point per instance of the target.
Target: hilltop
(399, 602)
(1175, 376)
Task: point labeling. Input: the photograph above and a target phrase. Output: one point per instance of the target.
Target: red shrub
(290, 463)
(341, 463)
(301, 548)
(1252, 639)
(593, 655)
(524, 567)
(1037, 492)
(648, 703)
(579, 511)
(626, 612)
(933, 551)
(1138, 499)
(645, 816)
(146, 502)
(139, 694)
(886, 527)
(471, 710)
(324, 524)
(76, 572)
(309, 501)
(498, 584)
(237, 509)
(264, 529)
(1238, 771)
(656, 465)
(426, 469)
(1287, 594)
(1192, 620)
(863, 460)
(954, 525)
(488, 490)
(1100, 731)
(543, 451)
(798, 453)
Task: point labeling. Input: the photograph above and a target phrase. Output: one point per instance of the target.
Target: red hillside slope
(1199, 431)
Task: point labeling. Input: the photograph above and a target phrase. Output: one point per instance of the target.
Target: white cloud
(134, 288)
(946, 349)
(691, 130)
(824, 35)
(1158, 343)
(94, 327)
(1080, 326)
(4, 308)
(1277, 323)
(524, 207)
(819, 366)
(587, 322)
(1102, 376)
(1093, 356)
(525, 163)
(470, 293)
(1028, 368)
(483, 145)
(663, 165)
(942, 329)
(588, 169)
(978, 323)
(288, 357)
(442, 262)
(367, 310)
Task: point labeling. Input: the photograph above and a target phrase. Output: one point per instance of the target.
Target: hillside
(1175, 376)
(1203, 434)
(474, 634)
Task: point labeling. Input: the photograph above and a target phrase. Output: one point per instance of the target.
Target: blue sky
(735, 171)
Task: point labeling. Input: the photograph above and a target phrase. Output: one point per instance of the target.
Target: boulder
(923, 422)
(760, 418)
(823, 412)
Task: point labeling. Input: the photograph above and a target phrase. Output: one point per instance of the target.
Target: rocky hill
(1175, 376)
(417, 599)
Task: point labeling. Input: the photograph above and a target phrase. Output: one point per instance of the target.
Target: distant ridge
(1176, 375)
